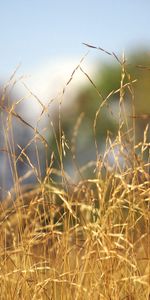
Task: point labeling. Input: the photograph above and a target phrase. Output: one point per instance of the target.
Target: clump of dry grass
(87, 240)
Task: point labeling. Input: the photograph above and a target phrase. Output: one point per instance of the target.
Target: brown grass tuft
(88, 239)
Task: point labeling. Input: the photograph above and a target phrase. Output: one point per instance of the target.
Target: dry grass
(85, 240)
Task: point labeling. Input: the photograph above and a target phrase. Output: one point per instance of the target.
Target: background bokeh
(44, 41)
(34, 33)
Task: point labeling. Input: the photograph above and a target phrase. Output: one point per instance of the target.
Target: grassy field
(82, 240)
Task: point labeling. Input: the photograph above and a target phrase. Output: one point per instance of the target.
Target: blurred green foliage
(89, 100)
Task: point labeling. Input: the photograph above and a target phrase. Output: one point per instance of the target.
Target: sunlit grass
(87, 239)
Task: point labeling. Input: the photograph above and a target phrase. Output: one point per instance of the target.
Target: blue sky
(34, 32)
